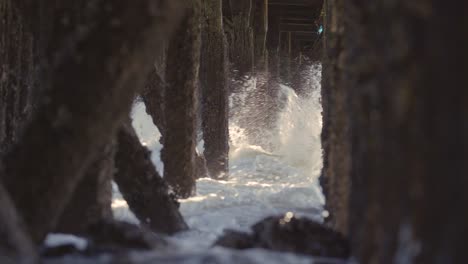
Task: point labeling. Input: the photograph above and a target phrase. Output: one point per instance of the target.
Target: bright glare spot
(119, 203)
(325, 214)
(252, 183)
(288, 217)
(194, 199)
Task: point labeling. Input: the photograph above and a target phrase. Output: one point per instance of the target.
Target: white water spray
(262, 182)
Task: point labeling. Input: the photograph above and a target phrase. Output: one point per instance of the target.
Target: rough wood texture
(240, 40)
(260, 28)
(17, 72)
(336, 137)
(91, 201)
(15, 244)
(95, 61)
(153, 98)
(410, 136)
(273, 46)
(214, 89)
(286, 57)
(404, 67)
(146, 193)
(183, 61)
(273, 79)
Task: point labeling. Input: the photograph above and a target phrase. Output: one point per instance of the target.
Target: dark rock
(112, 235)
(289, 234)
(235, 239)
(59, 251)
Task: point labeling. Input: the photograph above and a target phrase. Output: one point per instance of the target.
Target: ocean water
(274, 178)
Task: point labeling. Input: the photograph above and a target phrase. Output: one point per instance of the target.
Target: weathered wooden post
(273, 78)
(285, 54)
(16, 246)
(240, 39)
(260, 28)
(336, 136)
(296, 63)
(183, 60)
(92, 198)
(146, 193)
(395, 129)
(91, 85)
(18, 71)
(214, 90)
(273, 46)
